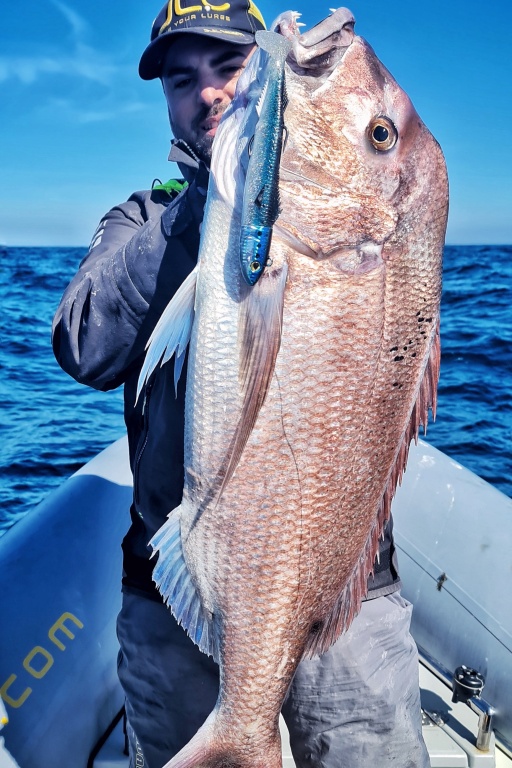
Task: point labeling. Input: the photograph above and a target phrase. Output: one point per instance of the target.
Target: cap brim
(151, 61)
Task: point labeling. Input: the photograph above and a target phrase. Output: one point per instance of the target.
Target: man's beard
(202, 146)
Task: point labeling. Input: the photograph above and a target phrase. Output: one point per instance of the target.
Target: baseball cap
(235, 21)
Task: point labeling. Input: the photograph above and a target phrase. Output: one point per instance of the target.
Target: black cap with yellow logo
(236, 21)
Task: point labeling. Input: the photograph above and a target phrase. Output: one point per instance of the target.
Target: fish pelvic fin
(260, 334)
(215, 747)
(175, 584)
(171, 334)
(349, 602)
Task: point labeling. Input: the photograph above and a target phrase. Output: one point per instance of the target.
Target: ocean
(51, 425)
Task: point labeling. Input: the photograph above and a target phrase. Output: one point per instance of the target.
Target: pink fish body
(303, 393)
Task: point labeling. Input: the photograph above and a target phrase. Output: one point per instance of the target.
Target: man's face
(199, 79)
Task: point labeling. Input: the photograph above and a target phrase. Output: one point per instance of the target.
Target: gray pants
(357, 706)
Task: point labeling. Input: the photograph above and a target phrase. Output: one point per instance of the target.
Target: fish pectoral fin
(349, 602)
(174, 582)
(260, 330)
(285, 138)
(171, 334)
(260, 339)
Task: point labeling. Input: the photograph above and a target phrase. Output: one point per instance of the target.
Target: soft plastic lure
(261, 193)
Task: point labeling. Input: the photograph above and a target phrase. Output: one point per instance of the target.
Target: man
(358, 704)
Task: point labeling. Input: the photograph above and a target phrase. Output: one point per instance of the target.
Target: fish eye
(382, 133)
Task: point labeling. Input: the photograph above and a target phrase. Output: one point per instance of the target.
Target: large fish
(304, 391)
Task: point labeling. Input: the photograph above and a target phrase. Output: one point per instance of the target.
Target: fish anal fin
(348, 604)
(174, 582)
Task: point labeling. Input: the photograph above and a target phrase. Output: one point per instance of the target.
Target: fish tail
(213, 748)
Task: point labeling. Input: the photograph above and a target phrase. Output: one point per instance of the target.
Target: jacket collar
(189, 163)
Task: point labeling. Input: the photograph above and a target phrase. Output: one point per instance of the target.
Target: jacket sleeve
(140, 254)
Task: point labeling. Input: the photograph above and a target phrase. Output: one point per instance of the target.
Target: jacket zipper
(142, 442)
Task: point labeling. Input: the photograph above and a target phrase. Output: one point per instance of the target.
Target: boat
(61, 569)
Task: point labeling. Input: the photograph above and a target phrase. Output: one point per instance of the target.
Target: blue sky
(79, 131)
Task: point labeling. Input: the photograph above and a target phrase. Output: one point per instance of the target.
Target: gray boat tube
(61, 569)
(61, 593)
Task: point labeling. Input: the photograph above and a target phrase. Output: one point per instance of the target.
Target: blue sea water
(51, 425)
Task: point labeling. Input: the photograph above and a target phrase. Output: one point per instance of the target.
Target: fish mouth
(318, 51)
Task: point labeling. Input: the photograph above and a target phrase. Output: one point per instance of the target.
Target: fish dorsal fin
(260, 337)
(172, 332)
(349, 602)
(174, 582)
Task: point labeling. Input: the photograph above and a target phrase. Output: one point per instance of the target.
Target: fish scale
(303, 391)
(294, 551)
